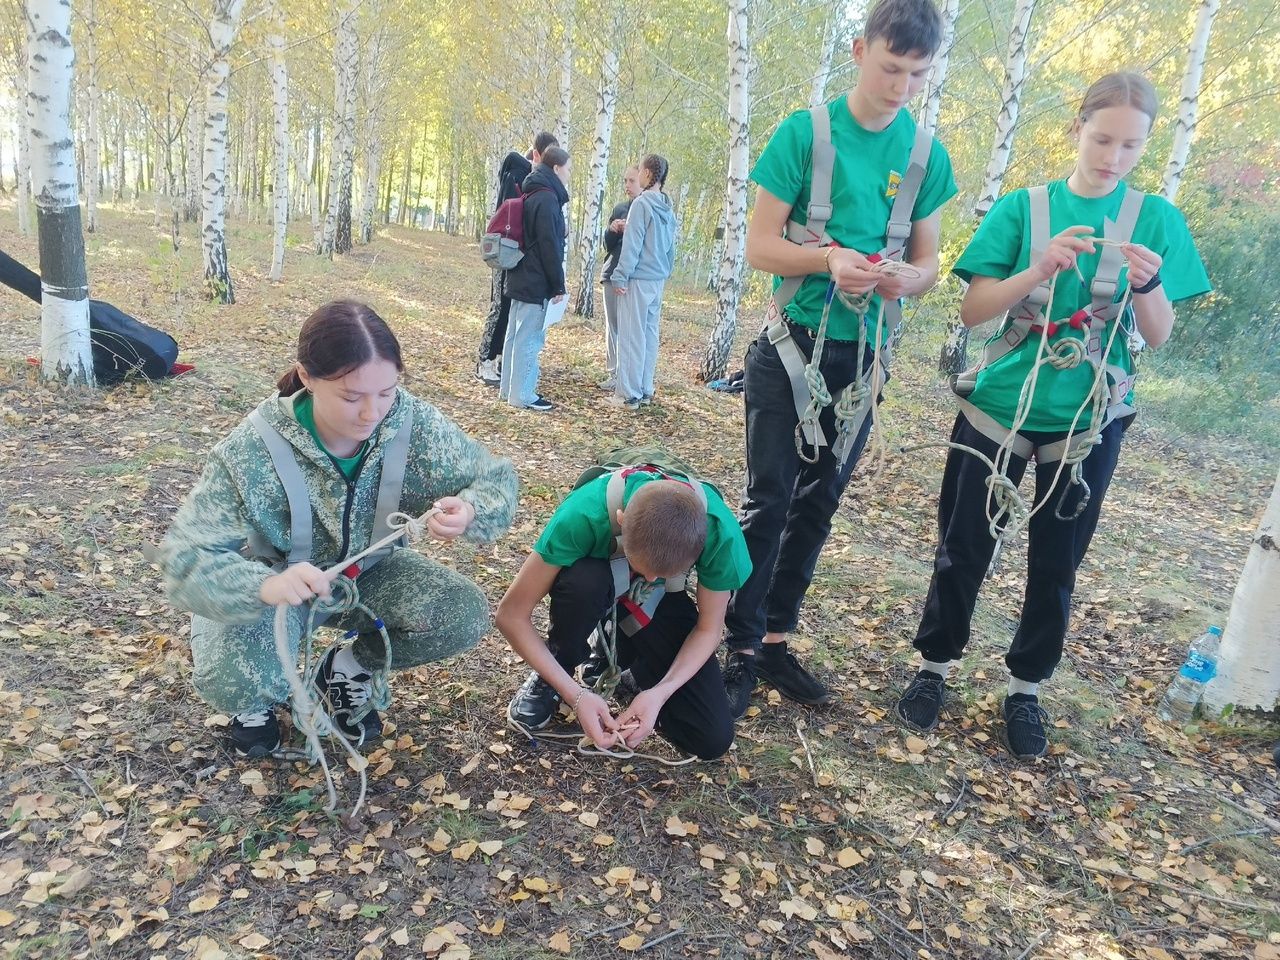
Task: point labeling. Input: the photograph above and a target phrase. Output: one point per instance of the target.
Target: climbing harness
(1106, 400)
(810, 393)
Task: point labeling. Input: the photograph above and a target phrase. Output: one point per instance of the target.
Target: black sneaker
(920, 703)
(791, 679)
(255, 733)
(739, 681)
(541, 404)
(597, 661)
(344, 696)
(534, 704)
(1024, 721)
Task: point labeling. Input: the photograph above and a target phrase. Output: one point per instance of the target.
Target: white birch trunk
(195, 151)
(91, 146)
(64, 284)
(337, 221)
(280, 121)
(952, 359)
(371, 145)
(729, 282)
(606, 105)
(1185, 127)
(688, 225)
(24, 170)
(938, 72)
(1248, 675)
(566, 82)
(222, 28)
(313, 188)
(818, 93)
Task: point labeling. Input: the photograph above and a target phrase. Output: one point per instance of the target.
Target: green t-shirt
(304, 413)
(580, 528)
(1001, 247)
(865, 180)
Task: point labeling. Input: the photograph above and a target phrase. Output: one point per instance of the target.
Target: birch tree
(938, 72)
(221, 28)
(280, 121)
(373, 98)
(92, 147)
(1249, 658)
(337, 221)
(952, 359)
(729, 281)
(1185, 126)
(818, 92)
(66, 352)
(606, 104)
(22, 174)
(566, 79)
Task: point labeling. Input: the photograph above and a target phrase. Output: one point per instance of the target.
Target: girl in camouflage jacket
(231, 554)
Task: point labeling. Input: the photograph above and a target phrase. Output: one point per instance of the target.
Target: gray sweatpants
(610, 329)
(430, 611)
(638, 314)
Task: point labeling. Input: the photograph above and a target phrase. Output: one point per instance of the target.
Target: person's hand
(852, 272)
(1143, 263)
(295, 586)
(620, 291)
(639, 719)
(596, 720)
(557, 298)
(1063, 251)
(618, 226)
(893, 286)
(453, 519)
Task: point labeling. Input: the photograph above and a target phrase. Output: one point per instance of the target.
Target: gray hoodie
(649, 242)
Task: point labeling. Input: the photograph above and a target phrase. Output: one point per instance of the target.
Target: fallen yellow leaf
(559, 942)
(631, 943)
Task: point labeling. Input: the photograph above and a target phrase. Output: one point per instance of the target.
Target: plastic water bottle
(1179, 701)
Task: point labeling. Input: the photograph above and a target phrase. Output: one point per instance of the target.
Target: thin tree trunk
(729, 285)
(938, 72)
(195, 152)
(1185, 127)
(64, 284)
(24, 165)
(313, 189)
(280, 124)
(402, 216)
(337, 221)
(1249, 658)
(122, 176)
(372, 150)
(689, 225)
(386, 195)
(222, 28)
(606, 105)
(952, 359)
(91, 146)
(566, 80)
(818, 92)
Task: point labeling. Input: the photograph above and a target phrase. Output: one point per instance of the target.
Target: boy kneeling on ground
(665, 526)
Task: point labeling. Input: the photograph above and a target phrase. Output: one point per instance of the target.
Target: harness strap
(794, 362)
(996, 431)
(395, 460)
(295, 490)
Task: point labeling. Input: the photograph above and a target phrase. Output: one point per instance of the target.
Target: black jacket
(514, 169)
(612, 240)
(540, 274)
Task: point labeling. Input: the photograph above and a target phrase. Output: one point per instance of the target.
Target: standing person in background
(612, 248)
(648, 256)
(514, 170)
(536, 281)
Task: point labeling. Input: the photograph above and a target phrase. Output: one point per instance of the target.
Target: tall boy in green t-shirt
(789, 501)
(665, 528)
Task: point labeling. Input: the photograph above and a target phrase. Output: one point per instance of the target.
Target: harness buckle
(1104, 289)
(819, 211)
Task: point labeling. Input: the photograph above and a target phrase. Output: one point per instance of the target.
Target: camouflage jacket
(205, 571)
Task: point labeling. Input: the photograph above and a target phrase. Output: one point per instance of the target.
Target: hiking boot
(540, 404)
(791, 679)
(608, 383)
(616, 401)
(344, 688)
(255, 733)
(921, 702)
(487, 373)
(739, 680)
(534, 704)
(1024, 721)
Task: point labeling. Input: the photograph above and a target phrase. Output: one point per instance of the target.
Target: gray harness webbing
(618, 564)
(1034, 309)
(395, 458)
(813, 233)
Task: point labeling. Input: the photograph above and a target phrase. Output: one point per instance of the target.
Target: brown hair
(666, 527)
(1122, 89)
(336, 339)
(657, 168)
(907, 26)
(555, 157)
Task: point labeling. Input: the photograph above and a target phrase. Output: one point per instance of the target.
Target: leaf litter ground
(129, 832)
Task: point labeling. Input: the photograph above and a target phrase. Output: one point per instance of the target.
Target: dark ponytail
(336, 339)
(657, 168)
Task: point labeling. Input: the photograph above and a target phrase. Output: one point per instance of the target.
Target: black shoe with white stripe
(255, 733)
(345, 688)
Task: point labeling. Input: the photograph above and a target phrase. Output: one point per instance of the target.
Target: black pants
(696, 718)
(495, 325)
(1054, 551)
(788, 505)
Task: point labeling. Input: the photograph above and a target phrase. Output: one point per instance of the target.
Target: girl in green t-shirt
(1019, 405)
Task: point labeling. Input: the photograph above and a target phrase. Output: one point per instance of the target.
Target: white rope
(587, 748)
(308, 714)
